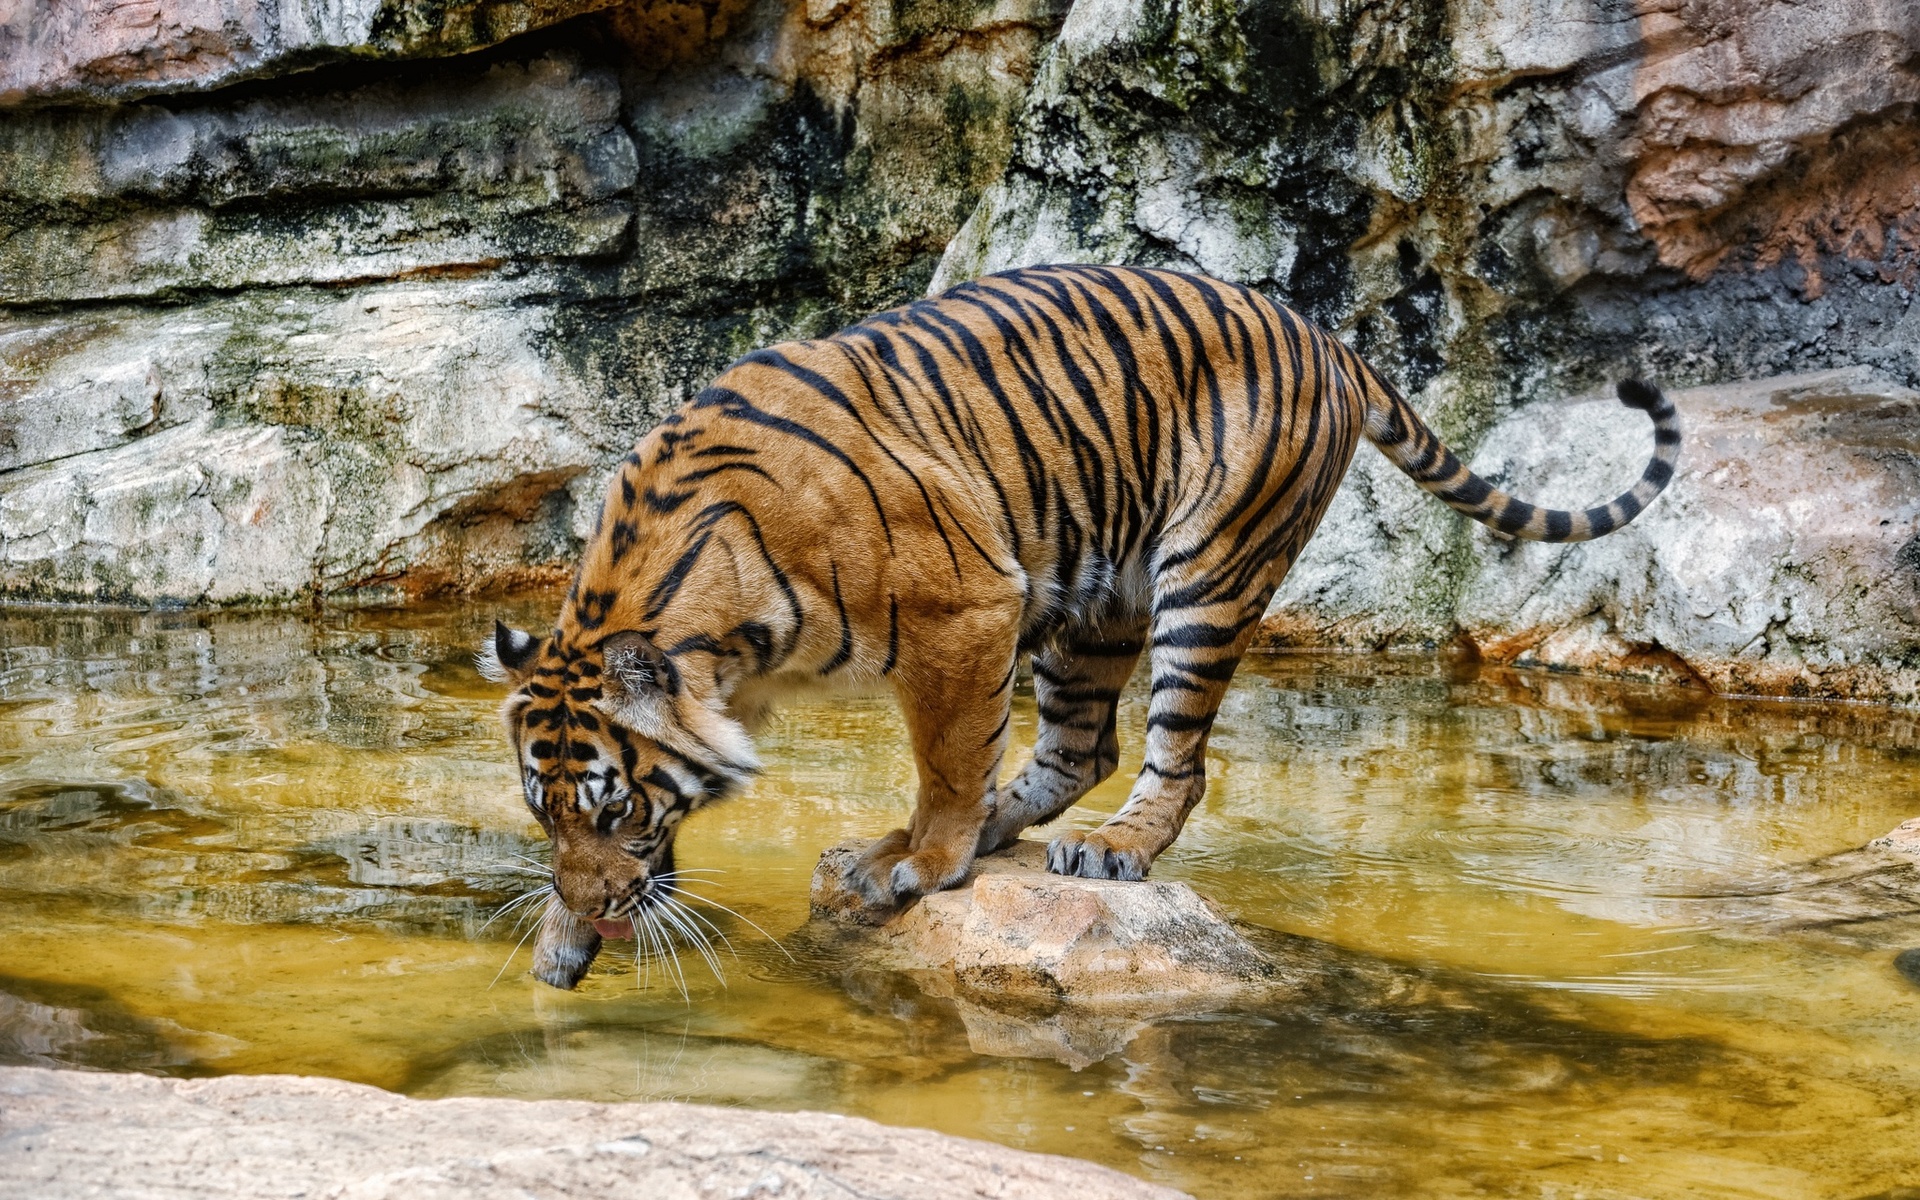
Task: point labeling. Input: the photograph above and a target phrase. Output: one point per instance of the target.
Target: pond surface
(272, 843)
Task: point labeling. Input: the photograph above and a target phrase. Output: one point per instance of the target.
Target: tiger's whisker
(736, 916)
(704, 920)
(670, 958)
(510, 956)
(655, 951)
(640, 953)
(701, 943)
(510, 905)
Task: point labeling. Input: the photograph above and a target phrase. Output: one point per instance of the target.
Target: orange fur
(1080, 464)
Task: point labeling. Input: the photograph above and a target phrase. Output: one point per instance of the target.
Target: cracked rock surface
(380, 327)
(69, 1134)
(361, 299)
(1782, 560)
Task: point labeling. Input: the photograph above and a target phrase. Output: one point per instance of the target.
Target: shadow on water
(175, 862)
(45, 1024)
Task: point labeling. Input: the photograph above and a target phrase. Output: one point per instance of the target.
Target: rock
(1047, 965)
(1016, 931)
(1508, 212)
(308, 442)
(1907, 963)
(1903, 841)
(1578, 192)
(375, 328)
(516, 161)
(66, 50)
(1783, 560)
(70, 1134)
(382, 330)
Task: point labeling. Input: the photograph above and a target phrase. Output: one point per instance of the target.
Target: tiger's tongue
(614, 929)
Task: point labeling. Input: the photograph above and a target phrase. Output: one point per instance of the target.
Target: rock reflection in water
(53, 1025)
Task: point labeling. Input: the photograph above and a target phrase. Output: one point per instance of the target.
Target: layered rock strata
(361, 299)
(381, 326)
(65, 50)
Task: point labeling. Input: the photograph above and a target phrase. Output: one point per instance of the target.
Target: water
(270, 842)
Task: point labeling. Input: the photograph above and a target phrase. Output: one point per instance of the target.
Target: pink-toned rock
(119, 49)
(1013, 931)
(1739, 105)
(1903, 840)
(68, 1134)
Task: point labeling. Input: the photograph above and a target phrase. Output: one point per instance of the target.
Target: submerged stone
(1907, 962)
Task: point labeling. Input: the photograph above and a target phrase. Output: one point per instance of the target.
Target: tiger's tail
(1404, 438)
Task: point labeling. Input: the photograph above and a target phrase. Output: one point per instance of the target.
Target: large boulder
(1784, 559)
(70, 1135)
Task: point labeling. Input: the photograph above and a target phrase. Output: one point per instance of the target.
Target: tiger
(1065, 466)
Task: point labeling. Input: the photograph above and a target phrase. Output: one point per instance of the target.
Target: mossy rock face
(74, 51)
(424, 269)
(1497, 203)
(437, 298)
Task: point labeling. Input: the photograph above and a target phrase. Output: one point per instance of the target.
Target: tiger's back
(1082, 430)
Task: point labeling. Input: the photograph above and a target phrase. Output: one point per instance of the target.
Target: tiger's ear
(635, 667)
(507, 656)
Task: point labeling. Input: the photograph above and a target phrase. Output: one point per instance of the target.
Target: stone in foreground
(71, 1134)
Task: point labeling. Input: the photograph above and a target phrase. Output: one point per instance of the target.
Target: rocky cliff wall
(286, 313)
(356, 299)
(1508, 202)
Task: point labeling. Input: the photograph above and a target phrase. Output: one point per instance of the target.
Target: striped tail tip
(1638, 393)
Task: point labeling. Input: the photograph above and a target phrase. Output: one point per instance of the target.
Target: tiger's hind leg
(1194, 652)
(1077, 683)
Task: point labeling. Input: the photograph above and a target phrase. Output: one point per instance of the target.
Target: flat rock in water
(1049, 965)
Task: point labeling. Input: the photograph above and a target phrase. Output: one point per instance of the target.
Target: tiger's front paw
(1095, 854)
(892, 875)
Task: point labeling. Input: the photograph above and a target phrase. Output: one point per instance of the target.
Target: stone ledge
(61, 51)
(73, 1134)
(1783, 560)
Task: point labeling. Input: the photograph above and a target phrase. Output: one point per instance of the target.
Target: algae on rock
(383, 327)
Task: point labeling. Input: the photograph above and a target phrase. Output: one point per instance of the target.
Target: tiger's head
(614, 750)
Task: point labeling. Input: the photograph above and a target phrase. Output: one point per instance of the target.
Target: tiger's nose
(588, 898)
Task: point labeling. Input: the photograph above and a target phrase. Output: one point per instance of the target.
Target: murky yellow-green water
(269, 843)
